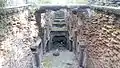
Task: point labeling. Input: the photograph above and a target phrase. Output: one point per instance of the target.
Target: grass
(47, 63)
(62, 1)
(2, 3)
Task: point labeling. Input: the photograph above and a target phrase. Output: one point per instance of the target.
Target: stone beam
(109, 9)
(13, 9)
(45, 7)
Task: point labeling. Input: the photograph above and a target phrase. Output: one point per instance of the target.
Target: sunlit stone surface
(66, 59)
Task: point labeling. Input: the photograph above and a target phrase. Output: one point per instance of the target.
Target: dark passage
(59, 42)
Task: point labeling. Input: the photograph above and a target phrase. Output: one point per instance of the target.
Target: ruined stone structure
(56, 28)
(92, 42)
(61, 30)
(100, 33)
(91, 32)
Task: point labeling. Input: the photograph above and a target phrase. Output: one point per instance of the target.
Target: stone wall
(101, 33)
(114, 3)
(18, 31)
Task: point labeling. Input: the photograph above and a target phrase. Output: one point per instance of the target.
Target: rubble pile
(17, 34)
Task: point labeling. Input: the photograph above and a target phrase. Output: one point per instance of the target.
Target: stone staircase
(59, 23)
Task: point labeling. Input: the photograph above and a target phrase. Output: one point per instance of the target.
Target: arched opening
(59, 42)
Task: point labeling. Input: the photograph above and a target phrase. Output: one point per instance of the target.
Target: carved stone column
(36, 60)
(37, 54)
(83, 56)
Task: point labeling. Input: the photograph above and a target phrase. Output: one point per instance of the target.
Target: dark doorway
(59, 42)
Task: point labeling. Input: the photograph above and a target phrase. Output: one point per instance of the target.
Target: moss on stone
(47, 63)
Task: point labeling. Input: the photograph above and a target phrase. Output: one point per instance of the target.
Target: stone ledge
(109, 9)
(13, 9)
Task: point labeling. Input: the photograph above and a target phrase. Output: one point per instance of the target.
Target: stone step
(59, 20)
(59, 17)
(59, 29)
(59, 23)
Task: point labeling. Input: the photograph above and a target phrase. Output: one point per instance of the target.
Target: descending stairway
(59, 23)
(65, 58)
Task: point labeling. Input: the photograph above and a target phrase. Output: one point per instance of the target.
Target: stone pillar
(82, 59)
(44, 40)
(70, 45)
(37, 52)
(68, 42)
(50, 41)
(35, 59)
(75, 40)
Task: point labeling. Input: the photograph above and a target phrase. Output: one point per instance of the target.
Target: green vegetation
(2, 3)
(81, 1)
(45, 1)
(47, 63)
(62, 1)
